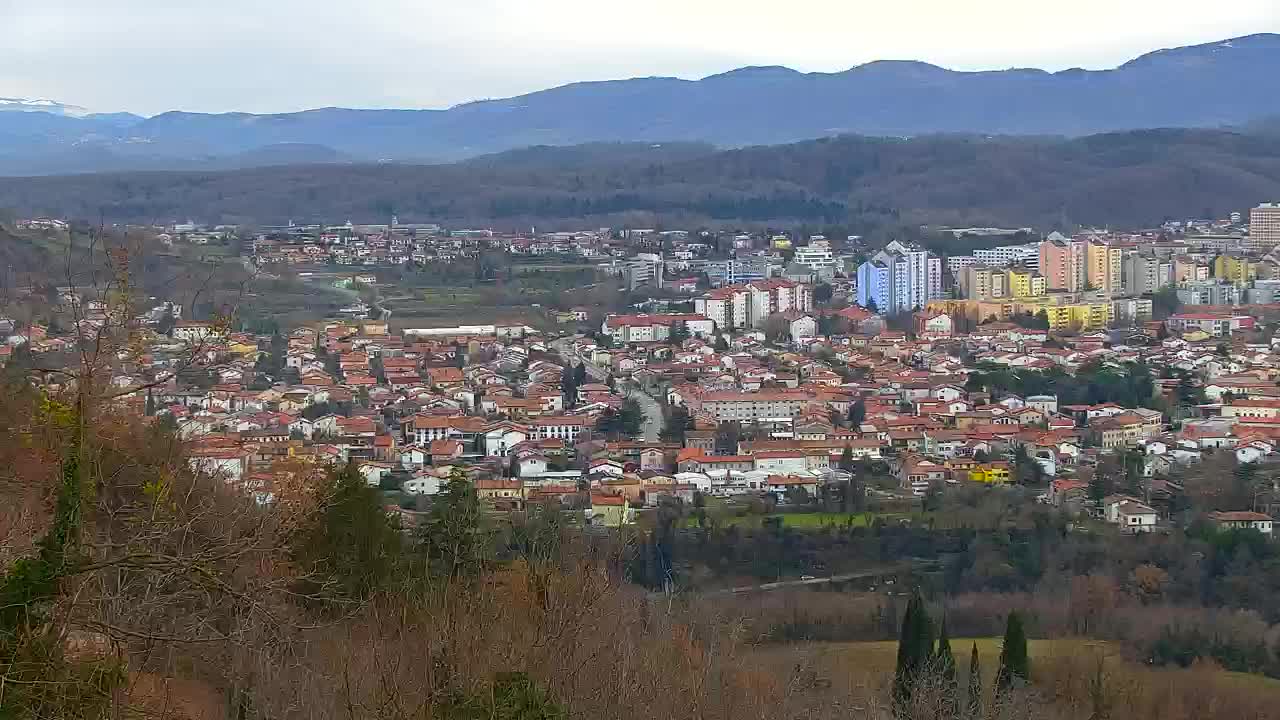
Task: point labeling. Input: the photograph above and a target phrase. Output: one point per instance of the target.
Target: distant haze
(149, 57)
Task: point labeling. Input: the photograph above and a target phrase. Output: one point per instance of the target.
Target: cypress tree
(944, 658)
(944, 663)
(924, 638)
(846, 458)
(974, 704)
(915, 648)
(1013, 654)
(906, 651)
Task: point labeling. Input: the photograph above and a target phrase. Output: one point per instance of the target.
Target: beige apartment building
(1264, 227)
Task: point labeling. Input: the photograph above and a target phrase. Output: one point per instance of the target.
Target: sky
(150, 56)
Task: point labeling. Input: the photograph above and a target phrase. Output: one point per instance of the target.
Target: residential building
(978, 282)
(1213, 324)
(1026, 255)
(900, 278)
(994, 473)
(1242, 520)
(729, 307)
(1129, 515)
(874, 286)
(1104, 270)
(776, 296)
(1141, 274)
(1263, 292)
(1131, 311)
(1209, 292)
(1264, 227)
(1078, 316)
(654, 328)
(737, 271)
(1234, 269)
(644, 269)
(749, 407)
(957, 263)
(1025, 283)
(818, 256)
(1063, 263)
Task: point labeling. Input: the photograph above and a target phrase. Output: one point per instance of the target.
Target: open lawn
(871, 659)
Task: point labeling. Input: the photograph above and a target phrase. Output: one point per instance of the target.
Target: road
(651, 427)
(564, 347)
(877, 574)
(653, 421)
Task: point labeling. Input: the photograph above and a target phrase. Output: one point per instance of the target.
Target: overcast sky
(148, 56)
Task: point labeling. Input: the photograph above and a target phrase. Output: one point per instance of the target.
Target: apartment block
(1264, 227)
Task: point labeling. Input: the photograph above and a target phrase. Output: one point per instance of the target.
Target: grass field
(442, 307)
(879, 658)
(810, 521)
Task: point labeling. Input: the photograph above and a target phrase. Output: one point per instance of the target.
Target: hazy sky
(148, 56)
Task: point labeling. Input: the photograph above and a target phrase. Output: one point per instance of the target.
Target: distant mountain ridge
(1215, 85)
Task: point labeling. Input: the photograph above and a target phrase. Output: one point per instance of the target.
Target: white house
(1253, 451)
(413, 457)
(421, 485)
(228, 463)
(1128, 514)
(1242, 520)
(373, 472)
(531, 466)
(499, 439)
(803, 327)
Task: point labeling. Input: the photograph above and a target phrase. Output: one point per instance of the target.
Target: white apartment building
(1005, 255)
(915, 276)
(817, 255)
(568, 429)
(776, 296)
(728, 307)
(654, 328)
(749, 407)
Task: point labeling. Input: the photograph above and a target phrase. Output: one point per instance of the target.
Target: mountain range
(1216, 85)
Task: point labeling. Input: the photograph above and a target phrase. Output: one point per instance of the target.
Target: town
(1094, 369)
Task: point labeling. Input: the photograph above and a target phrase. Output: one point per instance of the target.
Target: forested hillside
(1129, 179)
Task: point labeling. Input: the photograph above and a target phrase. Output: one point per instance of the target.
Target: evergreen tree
(1099, 486)
(453, 537)
(846, 459)
(944, 663)
(151, 404)
(944, 658)
(579, 375)
(906, 648)
(857, 413)
(351, 548)
(915, 648)
(567, 384)
(1014, 662)
(166, 322)
(974, 701)
(721, 345)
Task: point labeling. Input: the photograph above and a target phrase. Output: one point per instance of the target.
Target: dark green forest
(1129, 179)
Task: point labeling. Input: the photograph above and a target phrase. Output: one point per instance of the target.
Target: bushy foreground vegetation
(135, 586)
